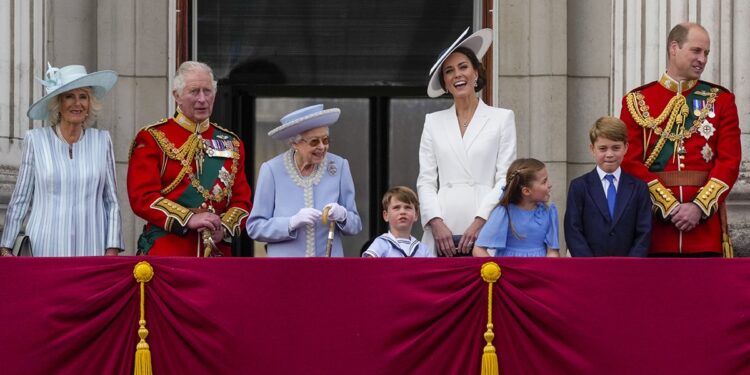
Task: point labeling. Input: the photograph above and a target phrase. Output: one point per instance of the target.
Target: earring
(475, 83)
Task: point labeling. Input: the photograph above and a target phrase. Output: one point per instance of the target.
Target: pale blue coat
(281, 192)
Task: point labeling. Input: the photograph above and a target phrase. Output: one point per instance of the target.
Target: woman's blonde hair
(53, 108)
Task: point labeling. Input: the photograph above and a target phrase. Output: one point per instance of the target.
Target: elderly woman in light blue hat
(67, 172)
(297, 186)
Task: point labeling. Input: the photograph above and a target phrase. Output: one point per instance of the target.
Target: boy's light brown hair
(611, 128)
(402, 193)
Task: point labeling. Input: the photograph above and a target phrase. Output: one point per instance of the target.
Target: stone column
(22, 35)
(531, 49)
(133, 39)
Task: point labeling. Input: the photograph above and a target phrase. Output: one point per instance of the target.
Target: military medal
(707, 153)
(712, 114)
(706, 129)
(698, 106)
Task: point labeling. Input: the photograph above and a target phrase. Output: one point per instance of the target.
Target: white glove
(336, 212)
(305, 216)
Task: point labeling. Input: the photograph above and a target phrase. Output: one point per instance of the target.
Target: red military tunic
(684, 142)
(178, 168)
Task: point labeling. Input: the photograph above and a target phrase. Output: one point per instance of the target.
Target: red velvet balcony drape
(376, 316)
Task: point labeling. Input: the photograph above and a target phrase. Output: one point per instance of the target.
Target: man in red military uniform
(684, 142)
(186, 175)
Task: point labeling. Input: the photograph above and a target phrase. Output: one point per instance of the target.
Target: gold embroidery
(232, 218)
(662, 198)
(173, 210)
(708, 195)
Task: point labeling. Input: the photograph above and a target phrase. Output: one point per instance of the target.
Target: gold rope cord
(677, 109)
(490, 273)
(143, 272)
(184, 154)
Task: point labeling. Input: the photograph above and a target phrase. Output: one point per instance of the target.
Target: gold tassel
(143, 272)
(726, 246)
(727, 249)
(490, 273)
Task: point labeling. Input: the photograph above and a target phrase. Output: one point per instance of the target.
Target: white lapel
(452, 133)
(478, 122)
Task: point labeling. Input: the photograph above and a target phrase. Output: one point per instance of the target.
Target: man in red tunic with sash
(684, 142)
(186, 175)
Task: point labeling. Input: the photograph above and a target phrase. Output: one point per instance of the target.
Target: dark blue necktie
(611, 195)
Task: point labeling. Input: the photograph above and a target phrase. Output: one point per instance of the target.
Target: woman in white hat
(295, 187)
(465, 150)
(67, 172)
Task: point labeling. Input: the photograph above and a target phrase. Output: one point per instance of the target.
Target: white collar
(602, 173)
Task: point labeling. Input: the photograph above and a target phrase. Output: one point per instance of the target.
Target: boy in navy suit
(608, 211)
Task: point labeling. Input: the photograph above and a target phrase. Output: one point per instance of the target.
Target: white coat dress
(460, 177)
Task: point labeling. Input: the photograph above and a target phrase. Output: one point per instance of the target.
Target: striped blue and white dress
(74, 209)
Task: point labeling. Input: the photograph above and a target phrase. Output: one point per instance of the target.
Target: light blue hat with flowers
(60, 80)
(303, 120)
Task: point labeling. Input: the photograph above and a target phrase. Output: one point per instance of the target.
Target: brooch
(332, 168)
(706, 129)
(707, 153)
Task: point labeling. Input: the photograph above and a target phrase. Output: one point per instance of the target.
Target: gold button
(682, 165)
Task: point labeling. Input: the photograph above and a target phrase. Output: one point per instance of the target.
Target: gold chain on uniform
(677, 110)
(185, 155)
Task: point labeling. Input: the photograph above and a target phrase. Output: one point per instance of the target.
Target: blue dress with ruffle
(536, 230)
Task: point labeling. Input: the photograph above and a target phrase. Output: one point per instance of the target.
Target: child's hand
(553, 253)
(479, 252)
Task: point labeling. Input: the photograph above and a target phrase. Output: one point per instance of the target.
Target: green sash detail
(668, 150)
(149, 236)
(191, 198)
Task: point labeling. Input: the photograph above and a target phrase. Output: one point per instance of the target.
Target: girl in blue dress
(522, 224)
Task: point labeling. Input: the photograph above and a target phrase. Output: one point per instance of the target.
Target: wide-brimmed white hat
(60, 80)
(303, 120)
(479, 43)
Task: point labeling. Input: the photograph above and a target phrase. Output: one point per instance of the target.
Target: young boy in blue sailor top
(400, 211)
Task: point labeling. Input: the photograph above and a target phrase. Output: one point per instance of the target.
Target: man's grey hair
(190, 67)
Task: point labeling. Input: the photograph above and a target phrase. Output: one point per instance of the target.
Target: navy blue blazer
(590, 231)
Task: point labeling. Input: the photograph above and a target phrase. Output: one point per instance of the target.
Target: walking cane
(331, 229)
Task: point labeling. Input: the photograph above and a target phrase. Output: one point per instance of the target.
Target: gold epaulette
(662, 198)
(225, 130)
(173, 210)
(232, 218)
(708, 195)
(160, 122)
(132, 144)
